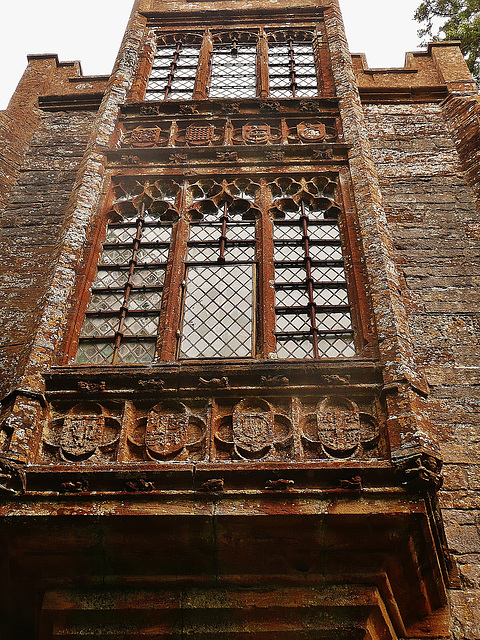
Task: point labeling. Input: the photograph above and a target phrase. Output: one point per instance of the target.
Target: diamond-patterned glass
(121, 234)
(333, 321)
(141, 352)
(289, 274)
(336, 347)
(147, 255)
(286, 322)
(291, 298)
(325, 252)
(298, 347)
(156, 233)
(234, 71)
(287, 232)
(218, 315)
(331, 297)
(144, 300)
(173, 78)
(101, 301)
(94, 352)
(291, 69)
(110, 278)
(116, 256)
(141, 325)
(328, 274)
(205, 232)
(289, 252)
(323, 231)
(148, 277)
(99, 326)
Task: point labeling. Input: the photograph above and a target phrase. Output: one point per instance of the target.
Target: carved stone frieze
(86, 433)
(169, 431)
(226, 132)
(214, 423)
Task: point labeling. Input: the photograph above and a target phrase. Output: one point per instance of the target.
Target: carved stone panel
(87, 432)
(338, 429)
(169, 431)
(254, 431)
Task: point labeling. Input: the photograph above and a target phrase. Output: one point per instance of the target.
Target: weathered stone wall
(433, 217)
(31, 223)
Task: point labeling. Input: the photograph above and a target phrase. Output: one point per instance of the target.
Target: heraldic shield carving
(254, 431)
(199, 135)
(86, 432)
(339, 428)
(256, 133)
(144, 138)
(311, 131)
(169, 431)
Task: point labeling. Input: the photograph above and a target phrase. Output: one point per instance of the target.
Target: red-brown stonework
(329, 494)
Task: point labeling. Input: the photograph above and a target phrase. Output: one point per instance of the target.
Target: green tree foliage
(453, 20)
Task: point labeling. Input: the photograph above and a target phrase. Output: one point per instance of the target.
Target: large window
(244, 64)
(220, 268)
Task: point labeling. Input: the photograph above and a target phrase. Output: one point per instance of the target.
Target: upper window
(220, 268)
(244, 64)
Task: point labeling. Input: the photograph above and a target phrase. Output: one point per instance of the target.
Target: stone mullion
(322, 63)
(263, 87)
(201, 87)
(360, 308)
(171, 313)
(409, 429)
(266, 342)
(140, 83)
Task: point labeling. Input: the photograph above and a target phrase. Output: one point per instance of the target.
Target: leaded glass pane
(121, 234)
(323, 231)
(336, 347)
(234, 71)
(116, 255)
(291, 298)
(325, 252)
(297, 347)
(328, 274)
(140, 325)
(218, 319)
(289, 252)
(94, 352)
(333, 321)
(156, 233)
(331, 297)
(99, 326)
(152, 254)
(289, 275)
(291, 69)
(110, 278)
(148, 277)
(136, 352)
(287, 322)
(105, 301)
(173, 72)
(144, 300)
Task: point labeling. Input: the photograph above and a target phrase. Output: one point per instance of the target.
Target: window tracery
(231, 241)
(243, 64)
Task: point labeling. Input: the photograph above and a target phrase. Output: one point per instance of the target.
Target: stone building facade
(240, 336)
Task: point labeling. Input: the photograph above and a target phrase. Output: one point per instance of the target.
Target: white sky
(75, 30)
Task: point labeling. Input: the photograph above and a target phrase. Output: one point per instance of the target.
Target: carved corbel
(13, 480)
